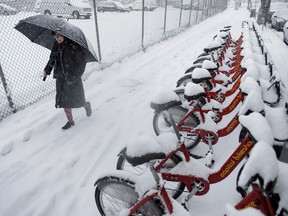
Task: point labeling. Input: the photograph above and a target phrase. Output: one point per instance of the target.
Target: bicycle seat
(145, 148)
(135, 161)
(194, 92)
(212, 46)
(164, 106)
(164, 100)
(201, 59)
(203, 54)
(251, 124)
(223, 34)
(254, 169)
(211, 49)
(252, 103)
(193, 67)
(200, 75)
(249, 84)
(224, 30)
(209, 65)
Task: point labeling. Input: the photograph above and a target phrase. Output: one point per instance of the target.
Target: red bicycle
(188, 120)
(128, 194)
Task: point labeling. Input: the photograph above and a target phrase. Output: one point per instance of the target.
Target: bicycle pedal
(185, 205)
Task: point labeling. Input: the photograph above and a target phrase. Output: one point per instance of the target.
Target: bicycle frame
(201, 132)
(234, 103)
(234, 88)
(231, 163)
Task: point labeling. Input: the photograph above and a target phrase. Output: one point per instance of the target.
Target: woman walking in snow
(68, 62)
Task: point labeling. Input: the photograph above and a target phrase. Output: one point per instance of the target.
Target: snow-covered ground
(47, 171)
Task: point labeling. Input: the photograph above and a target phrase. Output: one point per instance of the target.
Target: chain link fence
(113, 35)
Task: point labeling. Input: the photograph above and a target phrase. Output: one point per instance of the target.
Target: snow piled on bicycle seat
(141, 144)
(248, 85)
(193, 167)
(252, 122)
(254, 165)
(163, 96)
(253, 102)
(192, 89)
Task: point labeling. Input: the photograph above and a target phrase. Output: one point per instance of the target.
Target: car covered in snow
(149, 5)
(275, 6)
(112, 6)
(64, 8)
(285, 33)
(279, 18)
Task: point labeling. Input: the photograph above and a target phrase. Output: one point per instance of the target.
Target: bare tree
(263, 12)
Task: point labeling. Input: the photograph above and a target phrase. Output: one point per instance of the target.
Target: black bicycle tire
(192, 118)
(150, 208)
(178, 190)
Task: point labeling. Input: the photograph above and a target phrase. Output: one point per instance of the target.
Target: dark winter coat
(68, 61)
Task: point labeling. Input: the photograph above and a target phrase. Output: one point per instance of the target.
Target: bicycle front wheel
(161, 124)
(113, 195)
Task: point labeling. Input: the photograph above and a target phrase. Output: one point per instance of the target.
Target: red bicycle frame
(220, 133)
(235, 87)
(254, 199)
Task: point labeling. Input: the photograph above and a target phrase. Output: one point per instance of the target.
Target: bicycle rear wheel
(161, 124)
(113, 195)
(175, 189)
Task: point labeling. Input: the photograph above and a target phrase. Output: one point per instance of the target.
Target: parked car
(149, 5)
(63, 8)
(186, 5)
(112, 6)
(7, 10)
(274, 7)
(285, 33)
(279, 18)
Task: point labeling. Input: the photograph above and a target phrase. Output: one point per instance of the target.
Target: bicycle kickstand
(209, 155)
(185, 203)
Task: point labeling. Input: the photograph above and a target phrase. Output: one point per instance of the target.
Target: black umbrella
(39, 30)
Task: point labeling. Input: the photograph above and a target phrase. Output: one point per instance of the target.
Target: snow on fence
(113, 35)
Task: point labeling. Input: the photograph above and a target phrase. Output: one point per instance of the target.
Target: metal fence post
(191, 5)
(180, 13)
(97, 32)
(165, 17)
(197, 12)
(3, 80)
(142, 39)
(203, 7)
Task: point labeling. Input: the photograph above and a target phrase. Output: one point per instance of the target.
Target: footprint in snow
(73, 161)
(128, 83)
(6, 149)
(27, 135)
